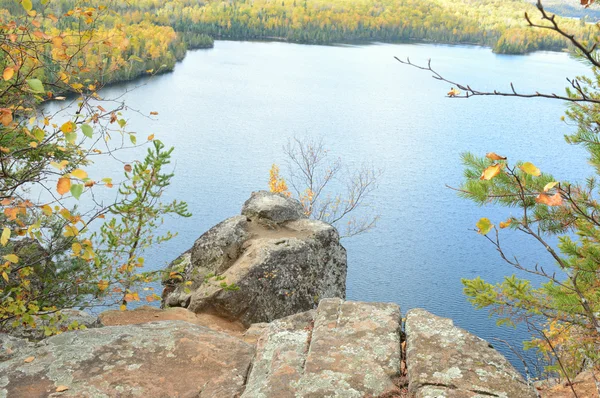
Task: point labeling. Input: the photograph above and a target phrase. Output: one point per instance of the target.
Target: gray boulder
(158, 359)
(446, 361)
(273, 207)
(257, 268)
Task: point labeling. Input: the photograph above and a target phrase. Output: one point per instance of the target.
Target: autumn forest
(150, 36)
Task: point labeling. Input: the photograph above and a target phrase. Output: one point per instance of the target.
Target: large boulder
(158, 359)
(341, 349)
(266, 264)
(446, 361)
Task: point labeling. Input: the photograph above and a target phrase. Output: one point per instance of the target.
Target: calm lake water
(229, 110)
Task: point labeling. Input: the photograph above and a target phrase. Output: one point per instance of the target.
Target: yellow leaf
(453, 92)
(495, 156)
(490, 172)
(5, 236)
(76, 247)
(13, 258)
(33, 144)
(57, 42)
(63, 186)
(28, 359)
(5, 275)
(123, 307)
(550, 185)
(554, 200)
(70, 230)
(60, 165)
(530, 169)
(78, 173)
(8, 73)
(68, 127)
(484, 226)
(102, 285)
(47, 210)
(150, 137)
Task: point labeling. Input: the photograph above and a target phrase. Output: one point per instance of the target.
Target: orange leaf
(490, 172)
(6, 117)
(495, 156)
(61, 388)
(554, 200)
(8, 73)
(28, 359)
(63, 186)
(505, 224)
(127, 168)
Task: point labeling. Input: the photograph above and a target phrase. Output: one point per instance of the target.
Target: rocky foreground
(284, 331)
(340, 349)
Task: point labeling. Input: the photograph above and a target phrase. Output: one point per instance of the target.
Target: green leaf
(132, 139)
(122, 122)
(71, 137)
(27, 5)
(38, 133)
(87, 130)
(484, 226)
(76, 190)
(35, 84)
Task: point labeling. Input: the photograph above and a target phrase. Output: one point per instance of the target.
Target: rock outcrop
(280, 262)
(159, 359)
(446, 361)
(341, 349)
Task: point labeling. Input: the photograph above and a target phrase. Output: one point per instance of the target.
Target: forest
(147, 36)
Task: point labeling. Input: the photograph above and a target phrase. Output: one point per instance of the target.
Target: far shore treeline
(149, 36)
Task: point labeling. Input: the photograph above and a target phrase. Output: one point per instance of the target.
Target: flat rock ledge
(446, 361)
(341, 349)
(157, 359)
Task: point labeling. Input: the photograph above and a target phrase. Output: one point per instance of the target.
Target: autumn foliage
(61, 247)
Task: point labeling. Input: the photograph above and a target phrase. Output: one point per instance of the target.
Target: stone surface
(11, 346)
(69, 318)
(273, 207)
(584, 385)
(343, 349)
(280, 268)
(441, 356)
(158, 359)
(146, 314)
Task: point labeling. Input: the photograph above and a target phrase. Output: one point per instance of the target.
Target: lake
(229, 110)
